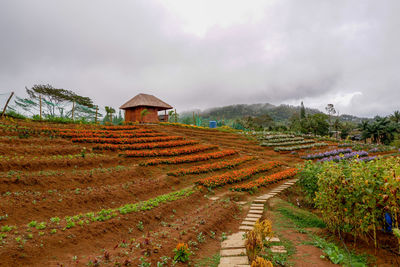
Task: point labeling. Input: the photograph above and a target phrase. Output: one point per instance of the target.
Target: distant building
(134, 107)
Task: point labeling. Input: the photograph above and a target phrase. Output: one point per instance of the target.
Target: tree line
(45, 102)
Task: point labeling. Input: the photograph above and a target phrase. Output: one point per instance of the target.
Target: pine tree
(302, 111)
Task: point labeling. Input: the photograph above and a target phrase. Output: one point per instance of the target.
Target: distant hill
(279, 113)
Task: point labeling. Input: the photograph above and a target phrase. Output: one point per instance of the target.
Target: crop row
(190, 158)
(237, 175)
(145, 145)
(126, 140)
(209, 167)
(108, 135)
(277, 136)
(291, 143)
(288, 139)
(351, 155)
(120, 127)
(39, 163)
(68, 222)
(328, 153)
(168, 152)
(266, 180)
(291, 148)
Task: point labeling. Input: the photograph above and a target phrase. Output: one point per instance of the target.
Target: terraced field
(85, 195)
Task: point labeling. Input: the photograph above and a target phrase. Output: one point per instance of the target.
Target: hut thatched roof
(145, 100)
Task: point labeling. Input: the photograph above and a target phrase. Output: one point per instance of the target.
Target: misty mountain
(279, 113)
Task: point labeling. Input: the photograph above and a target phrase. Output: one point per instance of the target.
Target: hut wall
(133, 114)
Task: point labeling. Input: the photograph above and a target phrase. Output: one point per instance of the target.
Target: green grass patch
(280, 259)
(212, 261)
(301, 218)
(338, 255)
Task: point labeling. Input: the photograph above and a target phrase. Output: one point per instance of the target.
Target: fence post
(5, 107)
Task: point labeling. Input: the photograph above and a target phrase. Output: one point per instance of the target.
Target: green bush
(15, 115)
(354, 196)
(308, 178)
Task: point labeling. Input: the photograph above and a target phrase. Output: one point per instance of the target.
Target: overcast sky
(206, 53)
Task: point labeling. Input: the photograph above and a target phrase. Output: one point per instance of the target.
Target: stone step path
(233, 250)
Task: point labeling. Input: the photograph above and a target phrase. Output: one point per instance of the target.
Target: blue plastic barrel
(213, 124)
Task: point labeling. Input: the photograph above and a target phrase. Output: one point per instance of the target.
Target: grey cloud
(112, 50)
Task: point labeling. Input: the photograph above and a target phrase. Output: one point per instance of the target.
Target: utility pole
(5, 107)
(194, 119)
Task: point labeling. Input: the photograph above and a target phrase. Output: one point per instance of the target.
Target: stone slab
(273, 239)
(263, 198)
(256, 211)
(234, 260)
(246, 228)
(241, 202)
(233, 252)
(278, 249)
(234, 241)
(254, 215)
(248, 223)
(214, 198)
(260, 200)
(256, 208)
(257, 205)
(251, 219)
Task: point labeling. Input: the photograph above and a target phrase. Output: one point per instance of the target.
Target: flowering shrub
(328, 153)
(168, 152)
(120, 127)
(190, 158)
(125, 140)
(355, 154)
(262, 181)
(354, 196)
(108, 134)
(210, 166)
(139, 146)
(237, 175)
(182, 252)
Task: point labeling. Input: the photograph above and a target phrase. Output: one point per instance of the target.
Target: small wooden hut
(134, 107)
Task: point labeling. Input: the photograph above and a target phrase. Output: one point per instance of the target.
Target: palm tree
(395, 117)
(109, 111)
(364, 127)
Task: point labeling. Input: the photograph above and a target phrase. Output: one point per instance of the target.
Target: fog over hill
(277, 112)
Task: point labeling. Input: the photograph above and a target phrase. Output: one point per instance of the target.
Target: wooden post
(176, 117)
(194, 119)
(40, 107)
(73, 109)
(97, 110)
(5, 107)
